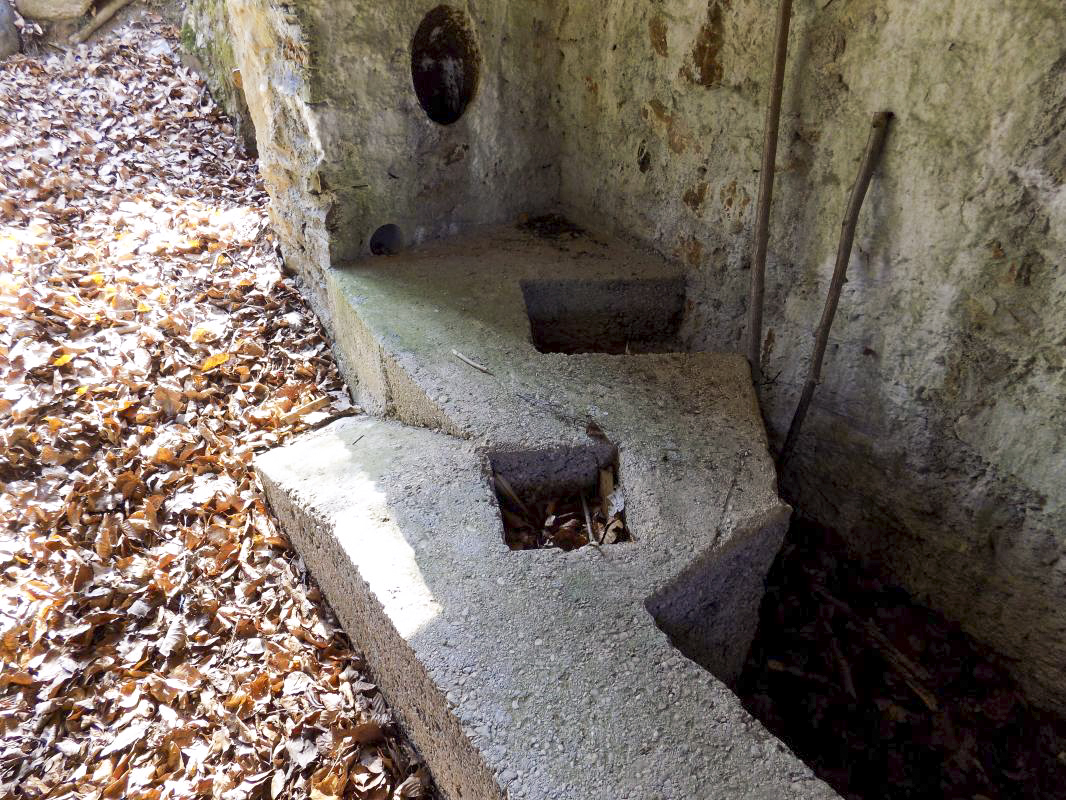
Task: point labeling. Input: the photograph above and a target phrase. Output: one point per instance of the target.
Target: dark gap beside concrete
(883, 697)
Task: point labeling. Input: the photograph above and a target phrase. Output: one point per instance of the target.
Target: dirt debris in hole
(885, 698)
(551, 226)
(568, 521)
(158, 636)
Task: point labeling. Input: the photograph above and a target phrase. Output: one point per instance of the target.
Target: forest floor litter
(158, 636)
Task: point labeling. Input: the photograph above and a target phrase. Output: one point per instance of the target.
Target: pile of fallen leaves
(595, 515)
(885, 698)
(158, 637)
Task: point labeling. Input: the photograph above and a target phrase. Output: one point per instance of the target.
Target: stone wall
(346, 147)
(937, 440)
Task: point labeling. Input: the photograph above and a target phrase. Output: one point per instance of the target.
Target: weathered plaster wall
(344, 144)
(937, 441)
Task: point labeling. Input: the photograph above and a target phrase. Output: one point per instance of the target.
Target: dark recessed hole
(386, 240)
(445, 64)
(882, 697)
(620, 316)
(562, 499)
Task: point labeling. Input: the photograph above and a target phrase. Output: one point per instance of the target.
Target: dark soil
(884, 698)
(552, 226)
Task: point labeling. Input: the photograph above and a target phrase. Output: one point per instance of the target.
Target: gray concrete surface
(937, 441)
(523, 674)
(10, 41)
(569, 673)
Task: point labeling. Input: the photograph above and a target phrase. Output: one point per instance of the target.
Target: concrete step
(536, 673)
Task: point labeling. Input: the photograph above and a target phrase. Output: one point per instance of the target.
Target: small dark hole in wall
(445, 64)
(386, 240)
(561, 499)
(883, 697)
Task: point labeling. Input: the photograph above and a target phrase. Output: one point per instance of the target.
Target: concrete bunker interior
(937, 440)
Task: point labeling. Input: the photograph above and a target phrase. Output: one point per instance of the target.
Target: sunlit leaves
(158, 638)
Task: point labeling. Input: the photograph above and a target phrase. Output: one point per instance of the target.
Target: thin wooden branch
(766, 191)
(102, 16)
(471, 362)
(914, 675)
(874, 146)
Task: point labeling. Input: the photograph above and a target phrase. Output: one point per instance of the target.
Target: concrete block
(53, 9)
(596, 673)
(520, 674)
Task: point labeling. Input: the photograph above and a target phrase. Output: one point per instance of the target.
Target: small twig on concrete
(471, 362)
(102, 16)
(766, 191)
(874, 145)
(725, 505)
(354, 411)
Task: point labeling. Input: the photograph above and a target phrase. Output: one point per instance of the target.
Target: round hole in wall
(386, 240)
(445, 64)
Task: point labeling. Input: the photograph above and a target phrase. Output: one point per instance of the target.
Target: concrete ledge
(542, 673)
(528, 674)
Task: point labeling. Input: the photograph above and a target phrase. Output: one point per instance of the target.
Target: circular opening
(387, 240)
(444, 64)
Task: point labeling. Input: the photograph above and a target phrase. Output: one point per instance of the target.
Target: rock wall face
(937, 439)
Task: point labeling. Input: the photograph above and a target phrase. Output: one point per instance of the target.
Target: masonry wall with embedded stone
(937, 441)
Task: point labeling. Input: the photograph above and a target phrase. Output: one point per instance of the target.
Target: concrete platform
(525, 674)
(597, 673)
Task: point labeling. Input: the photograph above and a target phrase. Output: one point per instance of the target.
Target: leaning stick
(874, 145)
(102, 16)
(766, 191)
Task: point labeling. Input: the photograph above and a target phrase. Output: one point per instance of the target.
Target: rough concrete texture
(937, 440)
(525, 674)
(53, 9)
(685, 433)
(345, 146)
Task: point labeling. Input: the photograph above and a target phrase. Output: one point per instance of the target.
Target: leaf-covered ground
(158, 636)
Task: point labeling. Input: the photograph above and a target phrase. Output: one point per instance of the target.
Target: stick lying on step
(874, 145)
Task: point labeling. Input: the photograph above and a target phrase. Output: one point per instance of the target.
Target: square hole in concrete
(563, 498)
(618, 316)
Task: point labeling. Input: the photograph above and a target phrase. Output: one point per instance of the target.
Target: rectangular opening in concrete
(617, 316)
(562, 498)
